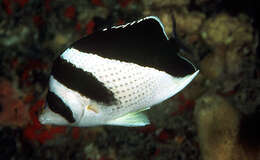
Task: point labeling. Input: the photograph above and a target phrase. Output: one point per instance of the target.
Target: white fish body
(136, 88)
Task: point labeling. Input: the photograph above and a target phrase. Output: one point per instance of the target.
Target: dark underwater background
(216, 117)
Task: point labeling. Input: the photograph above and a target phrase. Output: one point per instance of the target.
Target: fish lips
(49, 117)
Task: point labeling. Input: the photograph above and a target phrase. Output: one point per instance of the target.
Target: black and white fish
(109, 77)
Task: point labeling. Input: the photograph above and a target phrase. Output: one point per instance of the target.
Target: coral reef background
(215, 118)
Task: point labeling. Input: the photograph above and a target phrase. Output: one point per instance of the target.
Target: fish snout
(48, 117)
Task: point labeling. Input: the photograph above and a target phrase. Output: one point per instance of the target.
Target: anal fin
(131, 120)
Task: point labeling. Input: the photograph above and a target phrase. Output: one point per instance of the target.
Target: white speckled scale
(135, 87)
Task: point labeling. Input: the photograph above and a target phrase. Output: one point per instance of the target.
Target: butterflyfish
(112, 75)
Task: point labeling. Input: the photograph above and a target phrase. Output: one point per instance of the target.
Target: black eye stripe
(81, 81)
(59, 107)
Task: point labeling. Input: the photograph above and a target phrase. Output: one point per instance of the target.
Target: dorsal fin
(147, 30)
(142, 42)
(144, 25)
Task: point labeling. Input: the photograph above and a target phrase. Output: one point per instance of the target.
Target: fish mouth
(47, 116)
(43, 114)
(42, 109)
